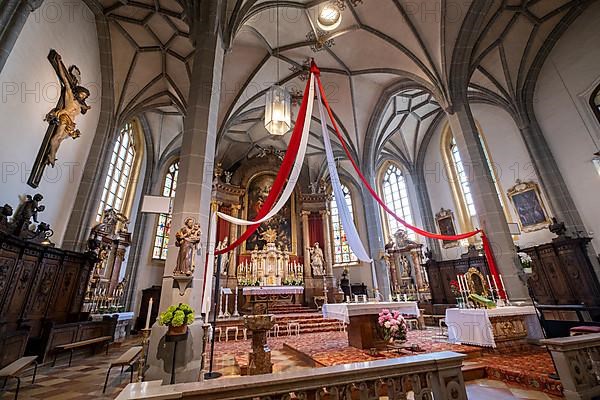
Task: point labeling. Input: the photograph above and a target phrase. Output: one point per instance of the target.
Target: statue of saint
(225, 256)
(71, 104)
(317, 261)
(27, 211)
(187, 239)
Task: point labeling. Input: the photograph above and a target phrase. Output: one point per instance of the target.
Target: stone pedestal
(259, 360)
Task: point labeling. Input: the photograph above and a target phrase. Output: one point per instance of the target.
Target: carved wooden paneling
(441, 273)
(42, 293)
(26, 270)
(9, 256)
(563, 273)
(64, 294)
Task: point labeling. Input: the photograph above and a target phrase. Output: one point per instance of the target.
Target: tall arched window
(395, 196)
(342, 254)
(120, 172)
(459, 180)
(163, 227)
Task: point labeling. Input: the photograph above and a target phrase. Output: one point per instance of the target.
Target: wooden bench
(126, 359)
(14, 370)
(83, 343)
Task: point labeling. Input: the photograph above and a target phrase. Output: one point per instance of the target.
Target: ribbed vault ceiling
(379, 43)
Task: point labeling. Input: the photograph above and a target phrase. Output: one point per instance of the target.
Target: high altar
(279, 252)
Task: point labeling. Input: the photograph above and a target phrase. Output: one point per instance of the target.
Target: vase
(177, 330)
(527, 270)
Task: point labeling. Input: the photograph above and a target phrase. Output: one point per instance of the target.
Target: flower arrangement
(178, 317)
(248, 282)
(393, 325)
(292, 282)
(525, 260)
(455, 287)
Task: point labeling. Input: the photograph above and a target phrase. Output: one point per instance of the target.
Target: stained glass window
(342, 254)
(163, 228)
(395, 196)
(119, 172)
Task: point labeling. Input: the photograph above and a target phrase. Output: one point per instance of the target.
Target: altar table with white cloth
(478, 327)
(363, 330)
(343, 311)
(272, 290)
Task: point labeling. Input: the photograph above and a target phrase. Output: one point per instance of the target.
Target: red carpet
(528, 369)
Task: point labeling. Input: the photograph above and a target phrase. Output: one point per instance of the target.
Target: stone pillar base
(188, 359)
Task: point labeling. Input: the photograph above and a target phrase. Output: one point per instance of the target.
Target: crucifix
(61, 119)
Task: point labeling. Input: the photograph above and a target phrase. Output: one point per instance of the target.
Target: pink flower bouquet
(393, 325)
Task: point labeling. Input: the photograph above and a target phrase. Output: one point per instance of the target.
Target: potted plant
(177, 318)
(526, 261)
(392, 325)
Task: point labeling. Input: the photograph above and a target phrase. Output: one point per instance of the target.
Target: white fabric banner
(210, 266)
(347, 222)
(291, 183)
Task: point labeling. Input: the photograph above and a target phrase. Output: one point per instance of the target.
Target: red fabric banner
(282, 175)
(486, 244)
(315, 230)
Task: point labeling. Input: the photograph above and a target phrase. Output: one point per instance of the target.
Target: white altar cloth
(473, 326)
(271, 290)
(343, 311)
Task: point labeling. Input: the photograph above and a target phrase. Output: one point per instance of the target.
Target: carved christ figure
(187, 239)
(70, 105)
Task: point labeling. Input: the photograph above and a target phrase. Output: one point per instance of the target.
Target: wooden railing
(430, 376)
(577, 361)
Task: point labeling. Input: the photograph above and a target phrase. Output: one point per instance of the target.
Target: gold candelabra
(142, 359)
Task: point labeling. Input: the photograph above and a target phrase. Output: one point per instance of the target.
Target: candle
(391, 298)
(490, 286)
(149, 313)
(503, 287)
(460, 288)
(496, 285)
(356, 298)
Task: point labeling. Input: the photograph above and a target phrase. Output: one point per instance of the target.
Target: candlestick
(460, 288)
(142, 358)
(235, 308)
(496, 285)
(148, 315)
(491, 288)
(504, 289)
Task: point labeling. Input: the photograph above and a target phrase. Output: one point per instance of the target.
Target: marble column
(233, 235)
(487, 204)
(306, 243)
(193, 197)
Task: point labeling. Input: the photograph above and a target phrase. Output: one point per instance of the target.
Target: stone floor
(85, 378)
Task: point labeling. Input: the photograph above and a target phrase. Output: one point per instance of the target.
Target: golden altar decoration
(269, 266)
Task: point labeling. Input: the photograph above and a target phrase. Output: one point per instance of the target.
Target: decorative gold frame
(441, 215)
(469, 277)
(523, 187)
(294, 249)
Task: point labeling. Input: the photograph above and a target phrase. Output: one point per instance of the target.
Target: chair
(231, 329)
(441, 324)
(413, 323)
(274, 330)
(293, 327)
(342, 326)
(220, 331)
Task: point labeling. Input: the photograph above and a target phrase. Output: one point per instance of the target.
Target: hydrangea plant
(177, 315)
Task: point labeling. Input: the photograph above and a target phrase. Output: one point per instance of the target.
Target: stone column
(233, 235)
(327, 249)
(306, 243)
(193, 197)
(376, 241)
(13, 15)
(489, 210)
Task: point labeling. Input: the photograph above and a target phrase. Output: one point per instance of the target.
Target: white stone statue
(317, 261)
(225, 256)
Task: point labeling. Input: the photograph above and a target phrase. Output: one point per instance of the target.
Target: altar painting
(282, 223)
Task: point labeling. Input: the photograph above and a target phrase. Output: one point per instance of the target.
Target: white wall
(562, 108)
(30, 88)
(511, 161)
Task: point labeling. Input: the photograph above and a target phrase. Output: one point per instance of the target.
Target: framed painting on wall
(527, 202)
(445, 223)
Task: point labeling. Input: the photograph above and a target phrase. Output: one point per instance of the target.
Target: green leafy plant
(177, 315)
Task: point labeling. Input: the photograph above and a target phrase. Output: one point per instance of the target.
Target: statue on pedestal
(225, 256)
(27, 211)
(187, 239)
(317, 261)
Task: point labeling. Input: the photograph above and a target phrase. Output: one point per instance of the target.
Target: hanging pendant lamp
(278, 116)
